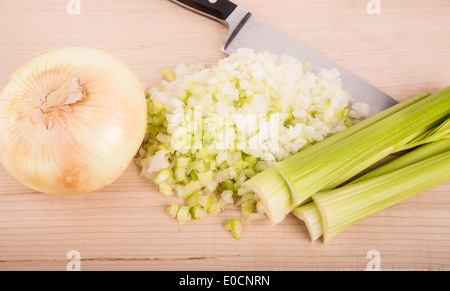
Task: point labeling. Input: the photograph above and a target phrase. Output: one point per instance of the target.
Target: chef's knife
(247, 31)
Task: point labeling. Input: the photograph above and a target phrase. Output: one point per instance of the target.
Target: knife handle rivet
(212, 1)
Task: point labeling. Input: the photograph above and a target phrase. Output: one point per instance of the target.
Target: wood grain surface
(403, 51)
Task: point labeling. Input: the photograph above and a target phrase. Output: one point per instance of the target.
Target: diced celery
(233, 173)
(274, 193)
(242, 190)
(251, 160)
(166, 189)
(192, 200)
(228, 185)
(345, 206)
(419, 154)
(247, 208)
(157, 106)
(227, 196)
(183, 162)
(212, 186)
(171, 76)
(163, 176)
(442, 131)
(205, 201)
(191, 188)
(180, 191)
(245, 197)
(200, 95)
(310, 214)
(249, 173)
(272, 188)
(180, 174)
(198, 165)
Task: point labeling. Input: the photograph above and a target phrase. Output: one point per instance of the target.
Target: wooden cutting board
(404, 50)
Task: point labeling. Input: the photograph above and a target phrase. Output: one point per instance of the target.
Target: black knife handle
(219, 9)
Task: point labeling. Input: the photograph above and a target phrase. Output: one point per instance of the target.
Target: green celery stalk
(235, 226)
(272, 188)
(273, 192)
(310, 215)
(307, 175)
(345, 206)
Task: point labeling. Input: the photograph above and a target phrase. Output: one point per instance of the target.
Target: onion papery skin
(87, 144)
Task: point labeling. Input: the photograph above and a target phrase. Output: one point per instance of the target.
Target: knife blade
(247, 31)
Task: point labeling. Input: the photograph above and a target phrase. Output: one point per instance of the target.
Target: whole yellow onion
(71, 121)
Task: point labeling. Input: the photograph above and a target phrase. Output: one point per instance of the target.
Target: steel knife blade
(247, 31)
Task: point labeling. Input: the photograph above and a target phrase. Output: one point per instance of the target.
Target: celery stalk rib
(345, 206)
(270, 186)
(273, 192)
(307, 175)
(440, 132)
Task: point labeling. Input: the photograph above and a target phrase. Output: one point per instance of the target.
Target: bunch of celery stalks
(330, 185)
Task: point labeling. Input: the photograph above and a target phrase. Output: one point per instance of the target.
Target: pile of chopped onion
(211, 129)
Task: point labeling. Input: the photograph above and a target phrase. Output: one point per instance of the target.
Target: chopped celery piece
(310, 214)
(157, 106)
(419, 154)
(205, 178)
(166, 189)
(205, 201)
(215, 208)
(173, 210)
(215, 128)
(180, 169)
(251, 160)
(235, 225)
(183, 162)
(191, 188)
(227, 196)
(242, 191)
(247, 208)
(345, 206)
(192, 200)
(180, 174)
(306, 175)
(180, 191)
(171, 76)
(228, 185)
